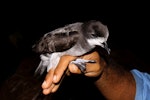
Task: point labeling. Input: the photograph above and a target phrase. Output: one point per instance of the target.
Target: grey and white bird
(74, 39)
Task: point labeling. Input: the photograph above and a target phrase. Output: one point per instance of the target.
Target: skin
(114, 82)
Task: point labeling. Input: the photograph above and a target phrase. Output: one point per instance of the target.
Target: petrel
(75, 39)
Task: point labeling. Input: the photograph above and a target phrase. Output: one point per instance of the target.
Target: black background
(128, 25)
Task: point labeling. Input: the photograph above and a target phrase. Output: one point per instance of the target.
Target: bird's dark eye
(94, 35)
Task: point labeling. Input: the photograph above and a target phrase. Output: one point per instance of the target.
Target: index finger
(62, 67)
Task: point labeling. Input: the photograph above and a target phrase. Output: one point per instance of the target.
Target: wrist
(116, 80)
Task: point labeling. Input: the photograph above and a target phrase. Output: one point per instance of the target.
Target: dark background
(22, 25)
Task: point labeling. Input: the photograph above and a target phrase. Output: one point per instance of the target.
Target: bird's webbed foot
(81, 63)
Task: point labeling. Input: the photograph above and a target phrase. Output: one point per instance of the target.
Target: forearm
(115, 83)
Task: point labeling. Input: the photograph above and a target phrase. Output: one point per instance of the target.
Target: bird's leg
(81, 63)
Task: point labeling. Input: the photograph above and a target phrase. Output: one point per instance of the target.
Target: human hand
(54, 77)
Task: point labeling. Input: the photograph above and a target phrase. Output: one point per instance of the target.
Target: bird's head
(96, 33)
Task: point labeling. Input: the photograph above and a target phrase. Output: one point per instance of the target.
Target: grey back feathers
(73, 39)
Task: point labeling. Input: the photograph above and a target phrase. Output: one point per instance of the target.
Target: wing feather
(57, 42)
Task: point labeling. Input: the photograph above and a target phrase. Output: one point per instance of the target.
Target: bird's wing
(54, 44)
(57, 42)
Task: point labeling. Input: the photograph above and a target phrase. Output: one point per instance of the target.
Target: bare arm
(116, 83)
(113, 82)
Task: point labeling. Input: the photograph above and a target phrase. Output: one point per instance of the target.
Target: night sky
(128, 27)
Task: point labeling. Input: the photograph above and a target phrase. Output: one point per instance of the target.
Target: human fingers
(62, 67)
(48, 90)
(48, 80)
(55, 88)
(48, 86)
